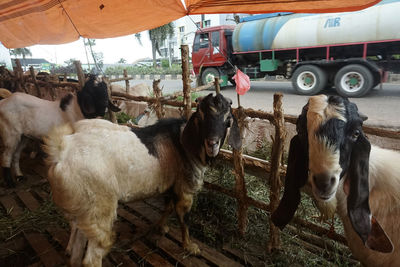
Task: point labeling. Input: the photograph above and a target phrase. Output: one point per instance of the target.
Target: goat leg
(7, 177)
(183, 206)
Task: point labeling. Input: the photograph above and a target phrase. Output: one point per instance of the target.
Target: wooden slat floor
(132, 247)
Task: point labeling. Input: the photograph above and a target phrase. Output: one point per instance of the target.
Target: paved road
(381, 106)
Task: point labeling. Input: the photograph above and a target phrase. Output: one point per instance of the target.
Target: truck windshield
(201, 41)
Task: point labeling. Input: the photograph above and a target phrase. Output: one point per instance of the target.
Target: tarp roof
(28, 22)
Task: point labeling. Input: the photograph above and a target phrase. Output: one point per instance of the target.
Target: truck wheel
(309, 80)
(208, 75)
(353, 81)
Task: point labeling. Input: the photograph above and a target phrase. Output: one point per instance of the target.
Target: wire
(227, 59)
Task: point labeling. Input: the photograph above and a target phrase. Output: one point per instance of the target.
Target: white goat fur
(384, 201)
(118, 173)
(24, 114)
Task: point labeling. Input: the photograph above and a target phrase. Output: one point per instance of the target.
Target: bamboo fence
(241, 163)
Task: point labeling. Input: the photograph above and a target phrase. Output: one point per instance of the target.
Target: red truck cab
(211, 49)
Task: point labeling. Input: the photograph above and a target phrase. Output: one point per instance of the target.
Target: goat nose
(324, 182)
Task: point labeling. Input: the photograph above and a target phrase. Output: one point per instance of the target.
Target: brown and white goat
(23, 116)
(94, 164)
(361, 182)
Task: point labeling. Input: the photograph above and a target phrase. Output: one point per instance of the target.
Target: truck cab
(211, 49)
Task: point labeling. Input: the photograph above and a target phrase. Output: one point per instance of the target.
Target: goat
(24, 116)
(348, 174)
(114, 163)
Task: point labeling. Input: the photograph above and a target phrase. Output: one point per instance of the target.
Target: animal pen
(46, 245)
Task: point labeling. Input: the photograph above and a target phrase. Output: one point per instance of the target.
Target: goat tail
(54, 143)
(4, 93)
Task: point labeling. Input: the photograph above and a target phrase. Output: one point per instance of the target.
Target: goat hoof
(192, 248)
(20, 178)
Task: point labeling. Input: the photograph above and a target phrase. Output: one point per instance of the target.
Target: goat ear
(113, 107)
(366, 226)
(296, 177)
(192, 129)
(86, 104)
(234, 138)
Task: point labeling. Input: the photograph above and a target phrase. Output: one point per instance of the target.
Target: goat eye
(355, 135)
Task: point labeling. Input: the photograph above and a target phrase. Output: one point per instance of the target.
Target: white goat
(346, 173)
(24, 116)
(94, 164)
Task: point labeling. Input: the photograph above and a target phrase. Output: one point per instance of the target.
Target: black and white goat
(347, 174)
(23, 116)
(94, 164)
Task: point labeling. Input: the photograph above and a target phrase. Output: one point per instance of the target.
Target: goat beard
(213, 149)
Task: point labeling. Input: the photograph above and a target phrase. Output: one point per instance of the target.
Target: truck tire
(309, 80)
(208, 75)
(354, 81)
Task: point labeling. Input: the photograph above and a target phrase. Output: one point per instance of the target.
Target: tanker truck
(350, 51)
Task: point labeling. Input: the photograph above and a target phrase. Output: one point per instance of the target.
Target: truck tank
(377, 23)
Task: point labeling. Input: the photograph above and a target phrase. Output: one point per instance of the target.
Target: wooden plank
(42, 194)
(60, 235)
(149, 254)
(10, 204)
(208, 253)
(175, 251)
(16, 244)
(47, 254)
(121, 259)
(30, 202)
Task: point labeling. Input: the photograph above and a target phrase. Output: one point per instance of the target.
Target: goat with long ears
(331, 153)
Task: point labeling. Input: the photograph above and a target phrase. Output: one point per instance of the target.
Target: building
(185, 29)
(5, 58)
(39, 64)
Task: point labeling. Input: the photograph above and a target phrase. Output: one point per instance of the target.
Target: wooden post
(32, 71)
(65, 77)
(187, 101)
(217, 86)
(79, 72)
(240, 185)
(113, 117)
(158, 107)
(127, 81)
(276, 160)
(19, 77)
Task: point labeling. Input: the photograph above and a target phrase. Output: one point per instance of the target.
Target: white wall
(5, 57)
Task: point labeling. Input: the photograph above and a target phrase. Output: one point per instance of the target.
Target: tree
(122, 61)
(97, 57)
(21, 52)
(158, 36)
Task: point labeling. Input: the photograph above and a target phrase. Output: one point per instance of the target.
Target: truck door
(201, 51)
(217, 50)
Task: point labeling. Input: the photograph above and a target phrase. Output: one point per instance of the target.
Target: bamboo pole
(187, 109)
(158, 107)
(127, 81)
(18, 73)
(113, 117)
(276, 157)
(217, 86)
(32, 72)
(240, 185)
(79, 71)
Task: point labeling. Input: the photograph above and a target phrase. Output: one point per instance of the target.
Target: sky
(113, 49)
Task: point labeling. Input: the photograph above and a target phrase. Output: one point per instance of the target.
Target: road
(381, 106)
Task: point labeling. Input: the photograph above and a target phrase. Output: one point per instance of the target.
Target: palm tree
(122, 60)
(21, 51)
(158, 36)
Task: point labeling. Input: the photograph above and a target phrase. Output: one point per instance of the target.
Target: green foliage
(124, 118)
(164, 63)
(122, 60)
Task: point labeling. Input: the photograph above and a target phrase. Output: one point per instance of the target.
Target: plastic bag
(242, 82)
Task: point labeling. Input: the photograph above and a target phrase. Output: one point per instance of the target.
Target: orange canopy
(29, 22)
